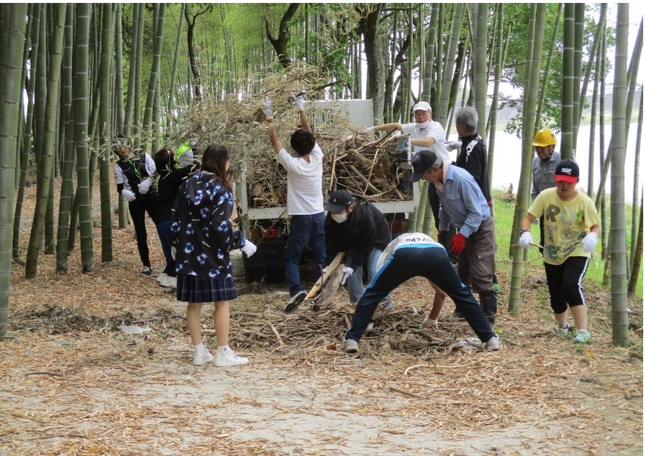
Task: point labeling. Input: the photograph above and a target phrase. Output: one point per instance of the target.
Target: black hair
(214, 161)
(303, 141)
(164, 161)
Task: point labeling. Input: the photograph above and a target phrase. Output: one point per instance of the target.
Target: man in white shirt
(305, 204)
(425, 134)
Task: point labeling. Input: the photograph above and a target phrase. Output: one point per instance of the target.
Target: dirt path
(71, 382)
(105, 392)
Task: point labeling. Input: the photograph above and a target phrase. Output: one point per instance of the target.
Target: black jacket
(169, 182)
(472, 158)
(364, 230)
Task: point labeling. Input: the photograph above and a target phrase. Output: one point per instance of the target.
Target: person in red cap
(571, 230)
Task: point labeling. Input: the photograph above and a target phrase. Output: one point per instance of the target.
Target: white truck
(268, 262)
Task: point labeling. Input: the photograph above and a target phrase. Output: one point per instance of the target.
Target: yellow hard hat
(544, 137)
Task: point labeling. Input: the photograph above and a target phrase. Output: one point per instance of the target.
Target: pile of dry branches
(355, 161)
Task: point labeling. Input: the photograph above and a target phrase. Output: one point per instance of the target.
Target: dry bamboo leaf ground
(74, 383)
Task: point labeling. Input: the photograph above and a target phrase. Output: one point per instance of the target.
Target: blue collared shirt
(462, 202)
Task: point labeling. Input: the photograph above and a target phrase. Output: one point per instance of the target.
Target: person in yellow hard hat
(543, 167)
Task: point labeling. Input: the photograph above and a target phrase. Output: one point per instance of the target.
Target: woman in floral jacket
(203, 236)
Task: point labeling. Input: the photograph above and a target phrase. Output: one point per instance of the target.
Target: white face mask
(339, 218)
(423, 125)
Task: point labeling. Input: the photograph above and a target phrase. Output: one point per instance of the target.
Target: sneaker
(295, 301)
(492, 344)
(349, 346)
(161, 276)
(562, 331)
(458, 315)
(169, 282)
(229, 359)
(582, 336)
(203, 357)
(387, 304)
(146, 271)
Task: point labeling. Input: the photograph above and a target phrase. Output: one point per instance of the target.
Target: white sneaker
(169, 282)
(562, 331)
(202, 357)
(229, 359)
(349, 346)
(161, 276)
(492, 344)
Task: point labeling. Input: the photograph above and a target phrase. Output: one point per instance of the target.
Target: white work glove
(430, 322)
(267, 107)
(128, 195)
(453, 145)
(144, 186)
(370, 130)
(589, 242)
(347, 271)
(299, 101)
(249, 248)
(526, 240)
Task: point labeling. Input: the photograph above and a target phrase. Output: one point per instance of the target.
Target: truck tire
(253, 274)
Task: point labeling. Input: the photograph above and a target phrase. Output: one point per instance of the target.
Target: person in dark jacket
(360, 230)
(133, 178)
(203, 235)
(170, 178)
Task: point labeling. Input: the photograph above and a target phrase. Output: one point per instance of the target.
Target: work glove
(428, 322)
(299, 101)
(370, 130)
(267, 107)
(249, 248)
(144, 186)
(128, 195)
(347, 271)
(458, 243)
(589, 242)
(526, 240)
(453, 145)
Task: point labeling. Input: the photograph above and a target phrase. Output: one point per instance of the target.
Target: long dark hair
(214, 161)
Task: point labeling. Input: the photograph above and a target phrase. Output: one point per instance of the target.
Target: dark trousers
(431, 262)
(433, 200)
(138, 209)
(304, 230)
(163, 229)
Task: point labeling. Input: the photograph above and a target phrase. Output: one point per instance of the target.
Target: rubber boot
(488, 300)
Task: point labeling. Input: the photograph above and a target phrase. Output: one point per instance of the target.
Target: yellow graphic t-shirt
(566, 223)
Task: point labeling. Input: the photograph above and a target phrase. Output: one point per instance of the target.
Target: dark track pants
(138, 209)
(431, 262)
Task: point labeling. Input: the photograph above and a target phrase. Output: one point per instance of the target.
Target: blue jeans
(163, 229)
(431, 262)
(355, 281)
(305, 230)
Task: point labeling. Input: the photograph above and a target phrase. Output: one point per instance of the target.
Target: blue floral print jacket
(201, 230)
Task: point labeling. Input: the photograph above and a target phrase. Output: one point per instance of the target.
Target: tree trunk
(281, 42)
(80, 106)
(159, 18)
(28, 128)
(620, 321)
(13, 39)
(537, 19)
(67, 184)
(105, 132)
(45, 165)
